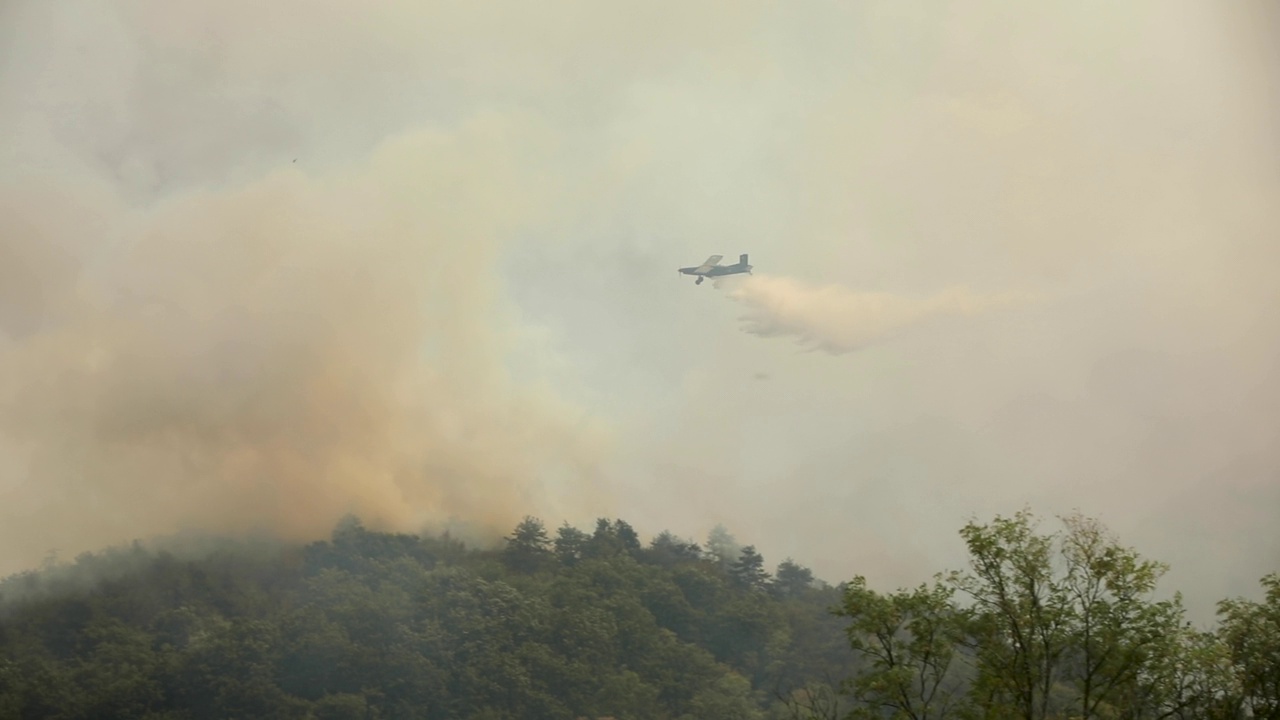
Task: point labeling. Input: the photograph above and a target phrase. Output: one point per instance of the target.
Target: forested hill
(376, 625)
(595, 624)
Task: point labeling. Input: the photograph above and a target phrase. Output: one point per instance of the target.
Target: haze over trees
(576, 623)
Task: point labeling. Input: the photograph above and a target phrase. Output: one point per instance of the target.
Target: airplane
(713, 268)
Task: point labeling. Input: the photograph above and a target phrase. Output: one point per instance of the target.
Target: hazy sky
(262, 264)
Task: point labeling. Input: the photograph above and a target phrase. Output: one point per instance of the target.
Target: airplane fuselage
(715, 270)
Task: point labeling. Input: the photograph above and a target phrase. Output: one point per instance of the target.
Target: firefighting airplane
(713, 268)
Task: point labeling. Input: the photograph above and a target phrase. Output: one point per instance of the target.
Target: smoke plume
(274, 355)
(838, 320)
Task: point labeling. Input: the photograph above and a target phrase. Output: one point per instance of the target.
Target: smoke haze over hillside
(262, 265)
(274, 356)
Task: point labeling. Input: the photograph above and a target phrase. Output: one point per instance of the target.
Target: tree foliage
(748, 571)
(1056, 625)
(910, 639)
(528, 547)
(792, 579)
(1251, 631)
(383, 625)
(1020, 614)
(596, 624)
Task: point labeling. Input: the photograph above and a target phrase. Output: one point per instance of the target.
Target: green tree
(748, 571)
(1020, 619)
(628, 539)
(1189, 676)
(1251, 631)
(909, 639)
(570, 543)
(667, 549)
(791, 580)
(342, 707)
(529, 547)
(811, 701)
(611, 538)
(1114, 627)
(1063, 622)
(728, 698)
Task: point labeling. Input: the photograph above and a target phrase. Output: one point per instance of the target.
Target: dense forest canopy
(594, 623)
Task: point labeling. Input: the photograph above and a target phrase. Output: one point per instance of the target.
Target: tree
(612, 538)
(728, 698)
(748, 570)
(1062, 620)
(1114, 627)
(529, 547)
(1019, 620)
(1188, 677)
(628, 539)
(1251, 631)
(722, 546)
(341, 707)
(667, 549)
(791, 579)
(813, 701)
(570, 544)
(910, 639)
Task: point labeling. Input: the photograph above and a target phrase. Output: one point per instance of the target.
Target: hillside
(596, 624)
(376, 625)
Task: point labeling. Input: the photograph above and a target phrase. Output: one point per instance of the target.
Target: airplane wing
(711, 262)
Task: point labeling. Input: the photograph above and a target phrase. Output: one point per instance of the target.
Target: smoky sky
(837, 320)
(262, 265)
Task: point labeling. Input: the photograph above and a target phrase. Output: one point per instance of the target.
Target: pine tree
(748, 570)
(528, 547)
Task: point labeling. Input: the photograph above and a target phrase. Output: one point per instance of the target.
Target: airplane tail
(742, 259)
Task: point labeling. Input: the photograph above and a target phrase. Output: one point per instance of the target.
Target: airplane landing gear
(699, 280)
